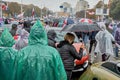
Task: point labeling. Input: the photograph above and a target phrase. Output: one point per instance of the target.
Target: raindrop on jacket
(7, 55)
(38, 61)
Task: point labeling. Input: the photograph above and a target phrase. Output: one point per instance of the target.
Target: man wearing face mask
(68, 53)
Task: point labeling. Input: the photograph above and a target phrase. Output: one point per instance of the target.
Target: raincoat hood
(38, 61)
(6, 39)
(38, 34)
(102, 26)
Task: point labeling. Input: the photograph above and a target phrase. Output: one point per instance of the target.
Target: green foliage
(14, 9)
(115, 9)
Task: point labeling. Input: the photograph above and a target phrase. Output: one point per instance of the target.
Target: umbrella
(81, 27)
(85, 20)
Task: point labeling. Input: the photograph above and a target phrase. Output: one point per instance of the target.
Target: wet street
(94, 59)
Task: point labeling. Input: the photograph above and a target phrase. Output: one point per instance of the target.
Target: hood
(51, 34)
(102, 26)
(38, 34)
(6, 39)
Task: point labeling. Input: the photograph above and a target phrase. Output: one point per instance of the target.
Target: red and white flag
(65, 23)
(20, 15)
(4, 6)
(33, 12)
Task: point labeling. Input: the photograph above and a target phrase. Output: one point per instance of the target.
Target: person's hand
(56, 44)
(81, 50)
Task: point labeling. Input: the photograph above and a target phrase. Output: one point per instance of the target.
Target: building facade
(66, 8)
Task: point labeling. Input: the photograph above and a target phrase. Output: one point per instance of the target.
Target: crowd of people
(35, 55)
(31, 53)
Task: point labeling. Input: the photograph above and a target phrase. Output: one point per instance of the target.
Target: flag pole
(41, 11)
(21, 6)
(1, 8)
(102, 11)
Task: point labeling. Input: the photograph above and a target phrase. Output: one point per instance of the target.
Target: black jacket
(51, 38)
(68, 54)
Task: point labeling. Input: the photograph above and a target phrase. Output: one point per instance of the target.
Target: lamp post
(86, 6)
(41, 11)
(85, 11)
(102, 11)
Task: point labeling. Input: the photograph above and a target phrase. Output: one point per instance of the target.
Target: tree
(115, 9)
(80, 14)
(14, 9)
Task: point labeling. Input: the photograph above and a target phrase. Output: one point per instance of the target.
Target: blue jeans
(116, 51)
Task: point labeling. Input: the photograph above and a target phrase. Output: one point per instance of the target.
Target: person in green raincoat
(38, 61)
(7, 55)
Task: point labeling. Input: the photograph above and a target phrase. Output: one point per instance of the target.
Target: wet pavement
(94, 59)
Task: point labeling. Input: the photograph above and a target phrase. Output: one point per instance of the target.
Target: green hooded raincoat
(7, 55)
(38, 61)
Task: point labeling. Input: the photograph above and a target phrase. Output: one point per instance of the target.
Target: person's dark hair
(46, 23)
(20, 23)
(13, 30)
(26, 26)
(14, 26)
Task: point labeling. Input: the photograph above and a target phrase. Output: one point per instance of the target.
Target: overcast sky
(54, 4)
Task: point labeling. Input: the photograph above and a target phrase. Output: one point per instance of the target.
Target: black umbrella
(81, 27)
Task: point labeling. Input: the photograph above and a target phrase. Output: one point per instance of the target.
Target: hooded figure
(51, 38)
(104, 42)
(38, 61)
(7, 55)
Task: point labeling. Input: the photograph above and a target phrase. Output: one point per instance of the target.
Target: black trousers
(69, 74)
(92, 42)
